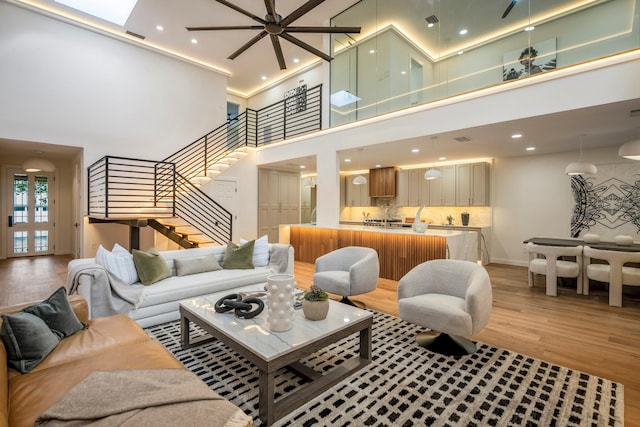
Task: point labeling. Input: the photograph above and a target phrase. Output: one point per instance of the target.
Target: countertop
(389, 230)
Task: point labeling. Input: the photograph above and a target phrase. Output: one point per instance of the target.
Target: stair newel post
(106, 186)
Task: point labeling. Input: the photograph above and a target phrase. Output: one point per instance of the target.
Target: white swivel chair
(348, 271)
(615, 272)
(451, 298)
(552, 267)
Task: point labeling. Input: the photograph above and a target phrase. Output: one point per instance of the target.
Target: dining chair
(545, 260)
(616, 273)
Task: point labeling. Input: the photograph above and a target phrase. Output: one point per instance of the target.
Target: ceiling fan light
(580, 168)
(38, 165)
(432, 174)
(630, 150)
(359, 180)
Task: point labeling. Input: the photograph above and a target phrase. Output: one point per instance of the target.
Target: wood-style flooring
(576, 331)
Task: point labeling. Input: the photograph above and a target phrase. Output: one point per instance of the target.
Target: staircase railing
(120, 188)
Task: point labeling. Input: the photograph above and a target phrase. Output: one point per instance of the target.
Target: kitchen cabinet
(278, 201)
(442, 192)
(472, 184)
(382, 182)
(411, 188)
(356, 194)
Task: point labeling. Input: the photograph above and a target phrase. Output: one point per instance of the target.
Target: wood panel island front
(399, 249)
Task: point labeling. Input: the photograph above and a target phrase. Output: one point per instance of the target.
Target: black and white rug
(406, 385)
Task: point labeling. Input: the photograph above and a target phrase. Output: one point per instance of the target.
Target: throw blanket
(279, 258)
(141, 398)
(108, 294)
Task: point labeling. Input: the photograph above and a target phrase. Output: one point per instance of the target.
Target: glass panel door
(30, 219)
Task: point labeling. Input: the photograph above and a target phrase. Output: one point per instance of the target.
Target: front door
(30, 220)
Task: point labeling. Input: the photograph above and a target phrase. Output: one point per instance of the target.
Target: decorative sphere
(288, 287)
(281, 296)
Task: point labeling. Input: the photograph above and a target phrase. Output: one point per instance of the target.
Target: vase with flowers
(316, 303)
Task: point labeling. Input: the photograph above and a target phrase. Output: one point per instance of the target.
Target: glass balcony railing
(414, 52)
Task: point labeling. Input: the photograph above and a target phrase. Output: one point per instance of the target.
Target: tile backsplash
(478, 216)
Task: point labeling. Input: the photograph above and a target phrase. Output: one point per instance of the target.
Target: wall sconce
(38, 165)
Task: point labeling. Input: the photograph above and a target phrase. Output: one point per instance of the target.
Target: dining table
(566, 241)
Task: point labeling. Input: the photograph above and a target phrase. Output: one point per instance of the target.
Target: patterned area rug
(406, 385)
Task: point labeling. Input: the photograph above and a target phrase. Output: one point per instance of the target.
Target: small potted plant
(450, 219)
(316, 303)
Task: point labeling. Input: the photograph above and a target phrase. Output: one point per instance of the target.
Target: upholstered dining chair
(452, 298)
(348, 271)
(552, 267)
(615, 272)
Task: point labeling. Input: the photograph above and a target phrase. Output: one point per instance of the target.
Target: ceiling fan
(276, 26)
(509, 7)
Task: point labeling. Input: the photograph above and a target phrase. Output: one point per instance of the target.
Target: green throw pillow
(151, 267)
(27, 339)
(238, 257)
(57, 313)
(196, 265)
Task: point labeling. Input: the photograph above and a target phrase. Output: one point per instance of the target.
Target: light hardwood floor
(576, 331)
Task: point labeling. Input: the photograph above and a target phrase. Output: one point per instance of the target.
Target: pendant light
(433, 173)
(360, 179)
(580, 168)
(631, 149)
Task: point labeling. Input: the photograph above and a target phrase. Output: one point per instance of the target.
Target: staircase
(166, 195)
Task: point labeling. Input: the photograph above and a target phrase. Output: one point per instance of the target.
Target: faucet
(386, 215)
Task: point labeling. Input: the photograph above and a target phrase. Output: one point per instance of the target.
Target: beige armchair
(615, 272)
(552, 267)
(451, 298)
(348, 271)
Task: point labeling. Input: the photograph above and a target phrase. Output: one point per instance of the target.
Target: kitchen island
(399, 249)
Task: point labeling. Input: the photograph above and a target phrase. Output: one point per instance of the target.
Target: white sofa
(158, 303)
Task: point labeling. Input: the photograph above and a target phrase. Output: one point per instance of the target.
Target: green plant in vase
(449, 219)
(316, 303)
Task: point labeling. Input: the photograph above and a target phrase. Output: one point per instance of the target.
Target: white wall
(66, 85)
(312, 76)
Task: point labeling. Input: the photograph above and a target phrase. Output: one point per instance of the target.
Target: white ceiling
(607, 125)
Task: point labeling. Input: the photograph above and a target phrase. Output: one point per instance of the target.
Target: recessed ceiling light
(263, 77)
(460, 52)
(531, 148)
(516, 135)
(303, 167)
(415, 150)
(194, 41)
(429, 25)
(159, 28)
(296, 60)
(378, 166)
(529, 28)
(347, 160)
(403, 72)
(463, 31)
(116, 11)
(442, 158)
(372, 51)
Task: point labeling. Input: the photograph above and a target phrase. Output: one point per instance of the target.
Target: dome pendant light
(580, 168)
(360, 179)
(631, 149)
(433, 173)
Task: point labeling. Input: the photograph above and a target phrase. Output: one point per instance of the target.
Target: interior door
(30, 221)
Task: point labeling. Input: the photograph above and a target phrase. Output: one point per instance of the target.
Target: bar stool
(615, 272)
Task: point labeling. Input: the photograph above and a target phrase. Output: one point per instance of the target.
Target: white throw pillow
(118, 262)
(260, 251)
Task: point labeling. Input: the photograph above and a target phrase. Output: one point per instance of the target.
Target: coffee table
(271, 351)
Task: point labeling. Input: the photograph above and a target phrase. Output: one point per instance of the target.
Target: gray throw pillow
(151, 267)
(238, 257)
(57, 313)
(27, 339)
(203, 264)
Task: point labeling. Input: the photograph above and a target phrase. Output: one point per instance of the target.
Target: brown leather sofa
(106, 344)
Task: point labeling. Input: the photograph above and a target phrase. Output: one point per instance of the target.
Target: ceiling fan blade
(508, 9)
(305, 46)
(278, 50)
(322, 30)
(242, 11)
(300, 11)
(247, 45)
(271, 9)
(235, 27)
